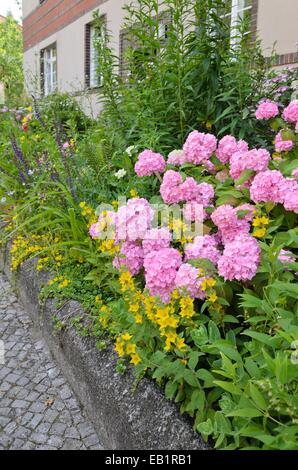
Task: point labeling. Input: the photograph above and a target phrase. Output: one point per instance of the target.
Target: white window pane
(94, 78)
(50, 70)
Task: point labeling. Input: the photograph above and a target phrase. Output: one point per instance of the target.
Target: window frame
(165, 21)
(48, 88)
(90, 55)
(238, 9)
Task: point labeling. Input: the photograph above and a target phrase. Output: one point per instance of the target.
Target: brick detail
(52, 16)
(284, 59)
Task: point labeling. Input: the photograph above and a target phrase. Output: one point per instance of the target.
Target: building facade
(58, 40)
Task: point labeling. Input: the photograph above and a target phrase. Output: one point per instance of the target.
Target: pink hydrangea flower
(227, 146)
(229, 225)
(205, 194)
(267, 110)
(157, 239)
(210, 167)
(133, 220)
(240, 259)
(288, 190)
(193, 211)
(189, 189)
(295, 173)
(104, 227)
(149, 163)
(176, 157)
(94, 230)
(290, 113)
(160, 272)
(222, 175)
(286, 256)
(296, 127)
(199, 147)
(256, 160)
(282, 145)
(204, 246)
(266, 186)
(247, 207)
(170, 188)
(131, 256)
(188, 281)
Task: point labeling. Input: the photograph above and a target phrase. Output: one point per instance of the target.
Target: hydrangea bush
(212, 316)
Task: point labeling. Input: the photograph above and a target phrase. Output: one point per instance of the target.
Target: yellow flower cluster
(124, 346)
(108, 246)
(88, 212)
(207, 286)
(163, 316)
(22, 248)
(133, 193)
(260, 224)
(60, 281)
(105, 311)
(180, 231)
(126, 281)
(135, 307)
(42, 262)
(186, 307)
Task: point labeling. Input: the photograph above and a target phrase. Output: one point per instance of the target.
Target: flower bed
(212, 315)
(190, 266)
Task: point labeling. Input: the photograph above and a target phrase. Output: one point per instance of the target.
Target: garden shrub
(213, 316)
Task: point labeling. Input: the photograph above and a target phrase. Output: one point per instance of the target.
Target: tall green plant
(179, 78)
(11, 61)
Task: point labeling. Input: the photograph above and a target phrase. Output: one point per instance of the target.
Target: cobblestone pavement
(38, 410)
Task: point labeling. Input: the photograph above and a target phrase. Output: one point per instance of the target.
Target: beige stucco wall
(71, 53)
(278, 22)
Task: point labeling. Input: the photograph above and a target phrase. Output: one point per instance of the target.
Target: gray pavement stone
(38, 409)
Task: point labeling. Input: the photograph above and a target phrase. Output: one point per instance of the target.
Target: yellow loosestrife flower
(260, 232)
(135, 359)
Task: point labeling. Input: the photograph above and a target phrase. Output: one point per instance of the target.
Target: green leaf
(190, 378)
(205, 428)
(214, 333)
(245, 175)
(171, 389)
(228, 349)
(261, 337)
(229, 387)
(193, 359)
(257, 396)
(205, 375)
(246, 413)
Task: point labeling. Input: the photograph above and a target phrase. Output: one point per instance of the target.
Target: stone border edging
(123, 419)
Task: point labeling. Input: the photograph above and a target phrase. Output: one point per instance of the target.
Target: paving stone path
(38, 410)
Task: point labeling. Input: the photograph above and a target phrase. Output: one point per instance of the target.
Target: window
(49, 69)
(238, 10)
(138, 55)
(93, 79)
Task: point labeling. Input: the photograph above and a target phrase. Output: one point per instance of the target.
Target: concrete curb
(124, 417)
